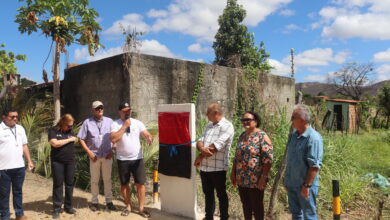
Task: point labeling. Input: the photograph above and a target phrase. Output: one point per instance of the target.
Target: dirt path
(38, 204)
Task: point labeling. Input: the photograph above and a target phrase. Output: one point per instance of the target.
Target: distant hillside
(314, 88)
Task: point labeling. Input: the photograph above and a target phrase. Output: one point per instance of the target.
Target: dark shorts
(126, 168)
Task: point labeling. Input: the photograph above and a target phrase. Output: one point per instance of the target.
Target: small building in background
(342, 115)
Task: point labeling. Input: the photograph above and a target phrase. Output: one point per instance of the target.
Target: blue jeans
(14, 177)
(300, 207)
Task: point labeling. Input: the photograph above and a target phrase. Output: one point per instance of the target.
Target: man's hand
(198, 161)
(127, 123)
(31, 166)
(149, 140)
(206, 152)
(92, 156)
(109, 156)
(305, 192)
(262, 183)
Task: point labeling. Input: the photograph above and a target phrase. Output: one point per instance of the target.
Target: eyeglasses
(99, 108)
(14, 117)
(69, 126)
(247, 119)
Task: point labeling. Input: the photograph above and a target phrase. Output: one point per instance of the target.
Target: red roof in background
(344, 100)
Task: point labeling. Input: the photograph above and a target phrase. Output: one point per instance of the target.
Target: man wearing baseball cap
(125, 134)
(94, 137)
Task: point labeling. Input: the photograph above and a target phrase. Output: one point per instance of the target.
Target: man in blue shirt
(94, 137)
(304, 159)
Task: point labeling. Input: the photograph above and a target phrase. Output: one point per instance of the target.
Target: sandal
(125, 212)
(145, 214)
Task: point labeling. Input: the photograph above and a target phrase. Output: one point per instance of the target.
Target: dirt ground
(37, 204)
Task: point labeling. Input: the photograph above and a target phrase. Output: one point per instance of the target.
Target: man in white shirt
(13, 144)
(125, 134)
(214, 146)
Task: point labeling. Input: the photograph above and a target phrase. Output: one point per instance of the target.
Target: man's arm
(117, 135)
(91, 155)
(149, 138)
(220, 143)
(205, 151)
(311, 174)
(26, 153)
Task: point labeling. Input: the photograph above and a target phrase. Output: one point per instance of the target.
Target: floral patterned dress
(251, 153)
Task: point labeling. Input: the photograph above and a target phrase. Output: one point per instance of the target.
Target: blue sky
(324, 34)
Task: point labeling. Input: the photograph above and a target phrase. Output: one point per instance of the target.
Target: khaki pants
(106, 167)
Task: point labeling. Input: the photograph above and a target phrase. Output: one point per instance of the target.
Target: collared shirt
(11, 146)
(221, 135)
(96, 134)
(304, 151)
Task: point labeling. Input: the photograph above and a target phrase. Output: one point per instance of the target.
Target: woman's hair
(64, 120)
(255, 116)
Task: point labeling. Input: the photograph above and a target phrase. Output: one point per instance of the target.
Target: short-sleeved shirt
(251, 154)
(304, 151)
(129, 146)
(64, 153)
(11, 146)
(221, 135)
(96, 134)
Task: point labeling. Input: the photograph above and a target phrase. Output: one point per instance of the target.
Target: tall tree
(234, 46)
(7, 66)
(351, 78)
(384, 102)
(65, 22)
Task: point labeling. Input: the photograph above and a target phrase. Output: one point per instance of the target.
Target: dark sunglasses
(14, 117)
(247, 119)
(99, 108)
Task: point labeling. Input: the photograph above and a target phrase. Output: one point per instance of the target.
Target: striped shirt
(221, 135)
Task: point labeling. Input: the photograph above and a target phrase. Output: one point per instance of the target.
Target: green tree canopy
(384, 101)
(65, 22)
(233, 43)
(7, 61)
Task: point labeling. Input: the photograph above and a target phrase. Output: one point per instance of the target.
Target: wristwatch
(306, 185)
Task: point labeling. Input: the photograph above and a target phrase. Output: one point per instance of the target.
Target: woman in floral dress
(251, 165)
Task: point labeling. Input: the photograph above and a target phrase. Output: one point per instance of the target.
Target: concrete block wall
(153, 80)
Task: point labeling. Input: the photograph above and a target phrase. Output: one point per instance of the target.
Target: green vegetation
(65, 22)
(234, 46)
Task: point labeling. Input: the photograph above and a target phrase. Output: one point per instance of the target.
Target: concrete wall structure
(150, 80)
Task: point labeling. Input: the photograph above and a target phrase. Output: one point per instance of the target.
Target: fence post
(155, 181)
(336, 200)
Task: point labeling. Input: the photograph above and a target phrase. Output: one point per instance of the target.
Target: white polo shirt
(129, 146)
(11, 146)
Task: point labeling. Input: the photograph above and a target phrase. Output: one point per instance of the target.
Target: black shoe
(110, 206)
(94, 207)
(56, 215)
(71, 211)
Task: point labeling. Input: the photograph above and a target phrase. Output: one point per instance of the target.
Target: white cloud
(200, 18)
(366, 19)
(128, 21)
(318, 57)
(197, 48)
(280, 69)
(383, 72)
(383, 56)
(151, 47)
(153, 13)
(313, 70)
(291, 27)
(287, 12)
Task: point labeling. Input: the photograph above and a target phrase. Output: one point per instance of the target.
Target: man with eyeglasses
(13, 145)
(214, 146)
(125, 134)
(94, 137)
(304, 160)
